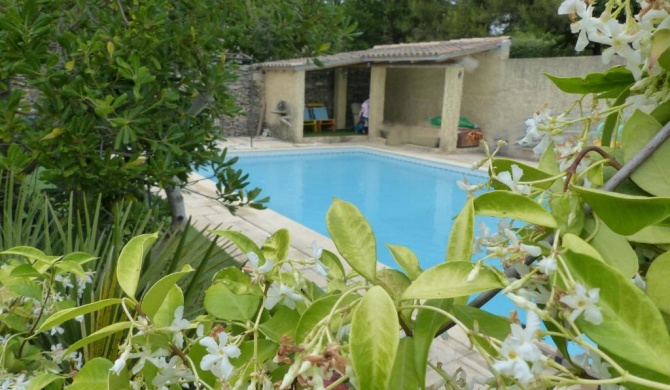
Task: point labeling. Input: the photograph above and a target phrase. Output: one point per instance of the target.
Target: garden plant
(581, 249)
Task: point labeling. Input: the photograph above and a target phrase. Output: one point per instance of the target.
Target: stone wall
(319, 87)
(358, 89)
(248, 93)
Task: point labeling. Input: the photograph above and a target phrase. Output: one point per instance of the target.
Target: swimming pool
(407, 201)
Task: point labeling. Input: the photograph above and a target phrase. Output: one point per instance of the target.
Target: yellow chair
(320, 114)
(309, 122)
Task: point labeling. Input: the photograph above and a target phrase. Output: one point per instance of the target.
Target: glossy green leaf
(462, 234)
(427, 324)
(68, 314)
(276, 246)
(282, 323)
(530, 173)
(653, 175)
(353, 237)
(489, 324)
(403, 374)
(406, 259)
(79, 257)
(154, 298)
(612, 120)
(244, 243)
(31, 253)
(317, 311)
(101, 333)
(130, 260)
(658, 278)
(335, 268)
(374, 339)
(579, 246)
(654, 234)
(223, 304)
(615, 79)
(505, 204)
(237, 281)
(449, 280)
(166, 311)
(614, 249)
(660, 41)
(42, 381)
(548, 162)
(568, 210)
(71, 267)
(24, 287)
(394, 282)
(93, 375)
(26, 271)
(625, 214)
(632, 327)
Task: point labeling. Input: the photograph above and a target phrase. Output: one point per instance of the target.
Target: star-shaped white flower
(177, 325)
(217, 356)
(547, 265)
(258, 271)
(512, 180)
(520, 351)
(282, 292)
(121, 361)
(568, 7)
(317, 252)
(584, 301)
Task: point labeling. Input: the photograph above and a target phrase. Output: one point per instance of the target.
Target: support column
(377, 96)
(451, 108)
(340, 98)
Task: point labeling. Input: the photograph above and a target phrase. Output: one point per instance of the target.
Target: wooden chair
(320, 114)
(309, 122)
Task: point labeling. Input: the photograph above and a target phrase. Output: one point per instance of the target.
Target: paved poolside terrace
(453, 351)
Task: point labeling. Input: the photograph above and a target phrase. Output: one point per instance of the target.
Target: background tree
(124, 95)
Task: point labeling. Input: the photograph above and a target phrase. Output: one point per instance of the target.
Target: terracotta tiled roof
(404, 52)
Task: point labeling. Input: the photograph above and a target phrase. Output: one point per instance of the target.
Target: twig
(123, 13)
(572, 169)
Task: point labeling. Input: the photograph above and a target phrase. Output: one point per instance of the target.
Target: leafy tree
(123, 95)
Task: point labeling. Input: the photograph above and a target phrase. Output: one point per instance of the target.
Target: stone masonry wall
(319, 87)
(248, 92)
(358, 89)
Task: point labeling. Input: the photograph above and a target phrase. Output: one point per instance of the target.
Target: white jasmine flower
(179, 324)
(21, 383)
(79, 318)
(517, 246)
(56, 330)
(200, 330)
(57, 352)
(282, 292)
(64, 279)
(568, 7)
(475, 271)
(216, 360)
(512, 180)
(172, 372)
(121, 361)
(466, 186)
(583, 301)
(146, 354)
(317, 251)
(258, 271)
(520, 352)
(547, 265)
(620, 39)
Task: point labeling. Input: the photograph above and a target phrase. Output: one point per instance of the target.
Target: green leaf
(283, 323)
(70, 266)
(79, 257)
(489, 324)
(25, 288)
(406, 259)
(243, 242)
(403, 374)
(335, 268)
(223, 304)
(568, 210)
(449, 280)
(625, 214)
(102, 333)
(615, 79)
(578, 245)
(612, 120)
(317, 312)
(155, 296)
(93, 375)
(505, 204)
(658, 276)
(276, 246)
(374, 339)
(462, 234)
(238, 282)
(660, 41)
(42, 381)
(652, 176)
(64, 315)
(529, 173)
(615, 249)
(654, 234)
(427, 324)
(353, 237)
(394, 282)
(130, 260)
(26, 271)
(632, 327)
(31, 253)
(165, 313)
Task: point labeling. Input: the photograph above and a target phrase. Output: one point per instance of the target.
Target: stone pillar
(451, 108)
(377, 96)
(340, 98)
(288, 87)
